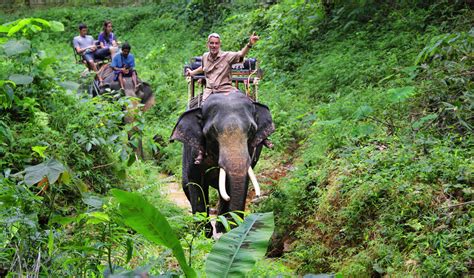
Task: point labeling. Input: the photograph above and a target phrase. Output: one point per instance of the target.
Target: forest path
(174, 192)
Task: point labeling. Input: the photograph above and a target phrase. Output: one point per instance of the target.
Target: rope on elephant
(195, 102)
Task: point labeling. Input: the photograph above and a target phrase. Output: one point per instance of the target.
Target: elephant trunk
(234, 161)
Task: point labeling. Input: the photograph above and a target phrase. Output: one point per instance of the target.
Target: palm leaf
(237, 251)
(144, 218)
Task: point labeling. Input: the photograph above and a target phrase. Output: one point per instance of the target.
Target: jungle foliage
(372, 170)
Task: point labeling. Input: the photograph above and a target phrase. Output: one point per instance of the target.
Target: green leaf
(5, 133)
(363, 130)
(20, 79)
(363, 111)
(93, 201)
(129, 250)
(413, 223)
(51, 169)
(418, 124)
(97, 217)
(131, 160)
(67, 220)
(42, 21)
(6, 90)
(46, 62)
(35, 28)
(400, 94)
(19, 25)
(224, 222)
(237, 251)
(4, 29)
(57, 26)
(10, 93)
(15, 47)
(6, 82)
(40, 150)
(141, 216)
(66, 178)
(236, 218)
(50, 242)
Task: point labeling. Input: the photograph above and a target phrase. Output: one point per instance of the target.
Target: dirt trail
(175, 193)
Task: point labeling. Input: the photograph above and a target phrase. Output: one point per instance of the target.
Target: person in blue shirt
(123, 64)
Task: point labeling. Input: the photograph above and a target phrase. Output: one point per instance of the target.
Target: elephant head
(230, 128)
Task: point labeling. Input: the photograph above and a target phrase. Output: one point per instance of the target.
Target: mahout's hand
(189, 72)
(253, 38)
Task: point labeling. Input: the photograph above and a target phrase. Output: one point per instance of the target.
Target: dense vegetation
(372, 170)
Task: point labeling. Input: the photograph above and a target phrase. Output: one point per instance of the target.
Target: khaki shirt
(218, 72)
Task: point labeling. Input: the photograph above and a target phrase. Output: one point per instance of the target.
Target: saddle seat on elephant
(197, 101)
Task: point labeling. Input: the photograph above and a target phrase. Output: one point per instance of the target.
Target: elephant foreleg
(193, 184)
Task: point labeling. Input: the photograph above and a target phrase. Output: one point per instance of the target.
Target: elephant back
(144, 92)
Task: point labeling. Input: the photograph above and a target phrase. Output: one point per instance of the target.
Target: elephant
(230, 129)
(143, 92)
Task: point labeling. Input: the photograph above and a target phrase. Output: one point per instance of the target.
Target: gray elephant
(230, 128)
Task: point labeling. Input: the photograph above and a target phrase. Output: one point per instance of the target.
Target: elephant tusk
(222, 185)
(254, 182)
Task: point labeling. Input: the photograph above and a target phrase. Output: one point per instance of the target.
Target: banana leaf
(144, 218)
(237, 251)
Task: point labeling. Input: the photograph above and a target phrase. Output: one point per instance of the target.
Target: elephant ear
(188, 129)
(264, 122)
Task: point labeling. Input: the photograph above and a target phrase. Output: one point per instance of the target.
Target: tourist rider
(217, 65)
(86, 47)
(107, 39)
(123, 65)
